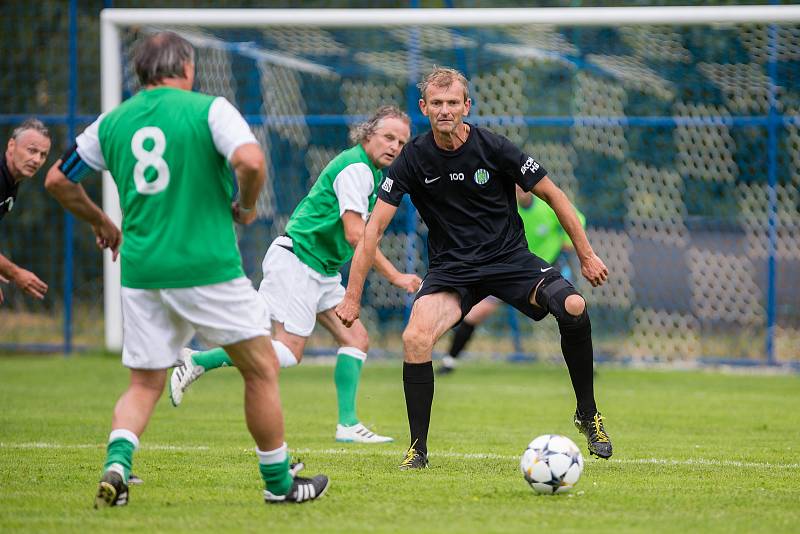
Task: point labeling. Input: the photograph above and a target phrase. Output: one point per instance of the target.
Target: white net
(659, 134)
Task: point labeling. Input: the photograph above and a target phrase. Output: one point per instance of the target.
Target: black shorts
(511, 278)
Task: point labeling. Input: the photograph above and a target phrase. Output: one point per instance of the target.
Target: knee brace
(552, 295)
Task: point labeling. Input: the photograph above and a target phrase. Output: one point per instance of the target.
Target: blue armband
(73, 167)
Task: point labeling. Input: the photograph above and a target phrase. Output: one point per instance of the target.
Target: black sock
(576, 344)
(461, 337)
(418, 387)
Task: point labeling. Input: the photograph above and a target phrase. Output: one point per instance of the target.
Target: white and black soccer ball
(551, 464)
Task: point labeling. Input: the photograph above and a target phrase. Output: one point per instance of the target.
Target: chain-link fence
(678, 143)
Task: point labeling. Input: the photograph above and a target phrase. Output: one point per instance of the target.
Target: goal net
(674, 130)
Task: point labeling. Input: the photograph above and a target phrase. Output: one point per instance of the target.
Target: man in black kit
(461, 178)
(25, 153)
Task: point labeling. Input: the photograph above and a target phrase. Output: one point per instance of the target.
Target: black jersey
(8, 188)
(465, 196)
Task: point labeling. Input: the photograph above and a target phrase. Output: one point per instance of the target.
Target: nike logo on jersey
(545, 270)
(431, 180)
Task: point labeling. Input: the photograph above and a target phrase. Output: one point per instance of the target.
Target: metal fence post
(411, 98)
(772, 176)
(68, 219)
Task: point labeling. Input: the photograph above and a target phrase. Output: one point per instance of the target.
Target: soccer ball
(551, 464)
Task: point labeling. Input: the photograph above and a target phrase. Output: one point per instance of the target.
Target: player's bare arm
(72, 196)
(22, 278)
(248, 164)
(353, 230)
(592, 267)
(364, 257)
(524, 198)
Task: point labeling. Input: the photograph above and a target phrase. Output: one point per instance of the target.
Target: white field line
(396, 453)
(43, 445)
(491, 456)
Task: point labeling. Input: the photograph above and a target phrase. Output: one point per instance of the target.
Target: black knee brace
(552, 295)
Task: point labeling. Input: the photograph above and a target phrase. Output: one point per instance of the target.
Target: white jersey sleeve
(228, 128)
(353, 187)
(88, 146)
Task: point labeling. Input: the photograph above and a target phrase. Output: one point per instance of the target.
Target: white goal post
(113, 20)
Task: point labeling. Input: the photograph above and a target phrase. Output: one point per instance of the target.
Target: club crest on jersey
(387, 185)
(481, 176)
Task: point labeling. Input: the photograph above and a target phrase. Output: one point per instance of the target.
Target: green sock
(277, 477)
(120, 451)
(346, 375)
(211, 359)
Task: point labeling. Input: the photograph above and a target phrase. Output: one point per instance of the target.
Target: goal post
(674, 128)
(460, 17)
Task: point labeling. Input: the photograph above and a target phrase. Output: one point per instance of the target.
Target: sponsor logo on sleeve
(387, 185)
(531, 165)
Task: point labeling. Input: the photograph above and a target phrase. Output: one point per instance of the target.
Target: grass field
(694, 452)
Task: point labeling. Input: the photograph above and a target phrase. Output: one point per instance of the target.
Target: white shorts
(158, 323)
(294, 292)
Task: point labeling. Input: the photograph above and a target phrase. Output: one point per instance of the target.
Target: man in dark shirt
(25, 154)
(462, 179)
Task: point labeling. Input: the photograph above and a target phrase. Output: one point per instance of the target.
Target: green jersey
(166, 149)
(348, 182)
(543, 231)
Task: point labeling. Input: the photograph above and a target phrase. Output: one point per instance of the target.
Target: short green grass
(694, 451)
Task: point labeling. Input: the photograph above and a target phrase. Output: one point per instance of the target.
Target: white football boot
(183, 376)
(358, 433)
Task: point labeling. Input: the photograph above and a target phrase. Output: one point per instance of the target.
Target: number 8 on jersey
(151, 158)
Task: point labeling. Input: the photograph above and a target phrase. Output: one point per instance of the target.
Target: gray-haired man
(25, 154)
(302, 284)
(168, 150)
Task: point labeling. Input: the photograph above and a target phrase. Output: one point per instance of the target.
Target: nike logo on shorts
(545, 270)
(431, 180)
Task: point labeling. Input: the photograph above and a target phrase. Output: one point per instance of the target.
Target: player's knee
(151, 382)
(573, 323)
(283, 341)
(410, 336)
(574, 305)
(259, 365)
(267, 368)
(416, 340)
(562, 300)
